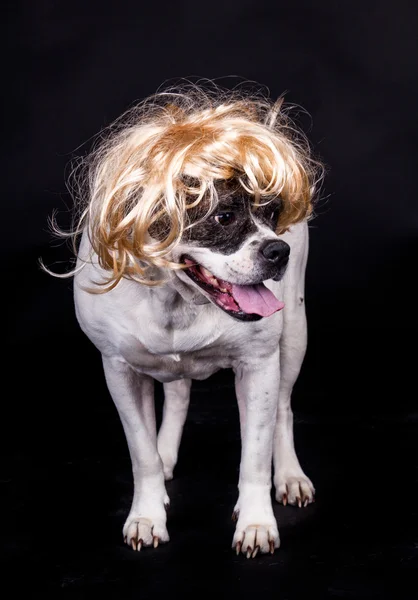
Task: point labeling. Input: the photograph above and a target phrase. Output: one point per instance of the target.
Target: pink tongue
(256, 299)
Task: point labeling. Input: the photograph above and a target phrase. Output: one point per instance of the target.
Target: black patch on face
(225, 229)
(268, 213)
(230, 224)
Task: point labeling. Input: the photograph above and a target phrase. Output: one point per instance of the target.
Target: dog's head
(230, 251)
(201, 184)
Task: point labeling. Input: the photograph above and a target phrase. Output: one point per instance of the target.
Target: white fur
(171, 333)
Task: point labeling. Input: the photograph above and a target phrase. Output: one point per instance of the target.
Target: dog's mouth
(244, 302)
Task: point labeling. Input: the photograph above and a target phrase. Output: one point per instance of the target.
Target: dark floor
(67, 484)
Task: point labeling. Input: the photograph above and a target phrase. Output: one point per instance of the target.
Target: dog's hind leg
(176, 403)
(291, 483)
(133, 396)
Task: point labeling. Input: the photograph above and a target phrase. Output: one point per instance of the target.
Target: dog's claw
(306, 502)
(284, 499)
(271, 545)
(256, 549)
(133, 544)
(139, 546)
(249, 551)
(299, 501)
(238, 547)
(155, 541)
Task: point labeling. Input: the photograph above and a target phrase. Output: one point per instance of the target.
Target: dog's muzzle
(248, 302)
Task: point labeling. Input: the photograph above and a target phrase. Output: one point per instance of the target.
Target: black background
(70, 69)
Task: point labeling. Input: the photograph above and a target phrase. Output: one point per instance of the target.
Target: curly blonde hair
(168, 154)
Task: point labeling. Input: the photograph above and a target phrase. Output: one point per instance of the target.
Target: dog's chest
(193, 353)
(171, 366)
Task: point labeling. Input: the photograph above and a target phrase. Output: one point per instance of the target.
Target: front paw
(253, 538)
(143, 531)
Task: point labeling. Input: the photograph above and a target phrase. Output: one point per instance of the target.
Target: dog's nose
(275, 251)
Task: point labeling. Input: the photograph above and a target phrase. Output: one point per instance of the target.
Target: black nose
(275, 251)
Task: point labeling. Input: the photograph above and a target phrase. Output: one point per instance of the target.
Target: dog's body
(194, 233)
(166, 333)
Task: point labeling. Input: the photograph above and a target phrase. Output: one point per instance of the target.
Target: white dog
(192, 260)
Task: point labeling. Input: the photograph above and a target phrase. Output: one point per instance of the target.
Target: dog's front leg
(133, 396)
(257, 392)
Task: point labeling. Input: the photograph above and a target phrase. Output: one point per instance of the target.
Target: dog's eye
(226, 218)
(274, 216)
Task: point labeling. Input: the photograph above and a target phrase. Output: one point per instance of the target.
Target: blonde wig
(169, 155)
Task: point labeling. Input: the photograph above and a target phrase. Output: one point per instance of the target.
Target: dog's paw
(257, 538)
(297, 490)
(141, 531)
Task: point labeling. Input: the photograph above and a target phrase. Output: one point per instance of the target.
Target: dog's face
(231, 252)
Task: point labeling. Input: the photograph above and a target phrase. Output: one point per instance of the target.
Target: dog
(192, 259)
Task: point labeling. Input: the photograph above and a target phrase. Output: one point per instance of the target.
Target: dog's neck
(177, 304)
